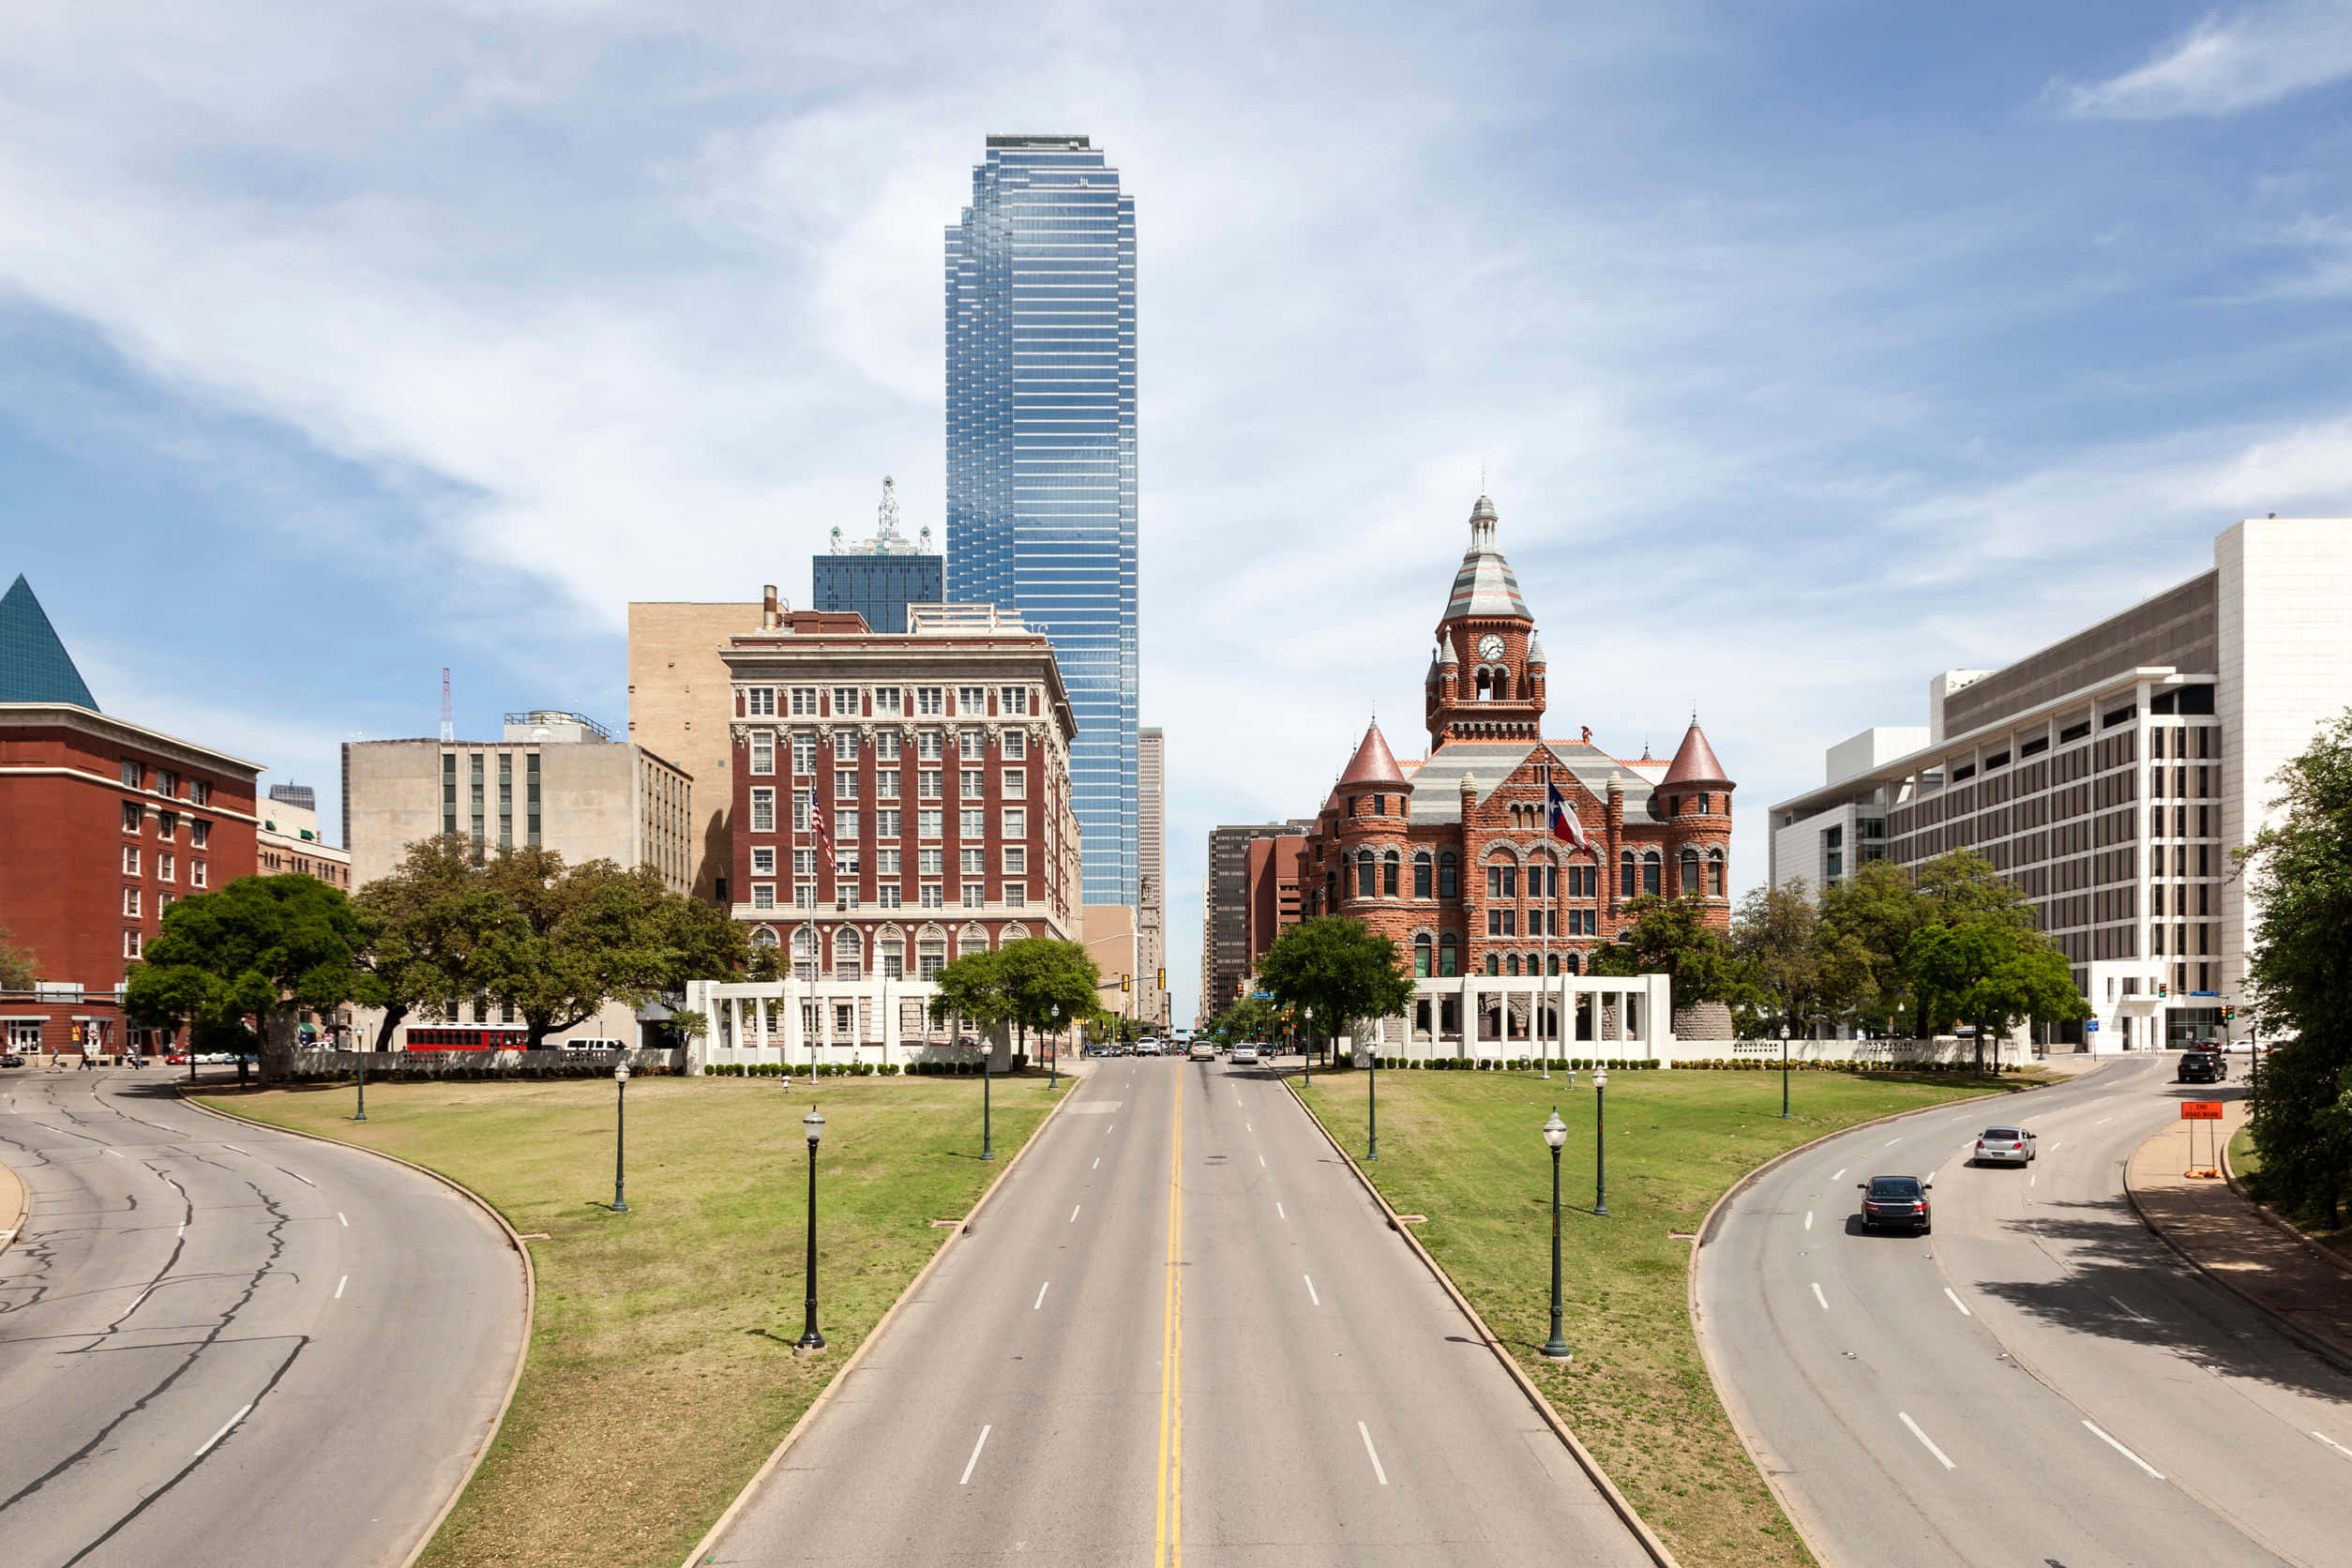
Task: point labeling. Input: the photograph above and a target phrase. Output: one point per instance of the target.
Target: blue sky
(1808, 349)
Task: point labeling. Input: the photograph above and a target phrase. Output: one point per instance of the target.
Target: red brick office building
(899, 799)
(1452, 856)
(103, 824)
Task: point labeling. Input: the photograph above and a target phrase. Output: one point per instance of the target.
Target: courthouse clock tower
(1486, 678)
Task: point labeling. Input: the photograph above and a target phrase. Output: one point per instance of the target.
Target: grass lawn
(2245, 1162)
(660, 1373)
(1466, 1148)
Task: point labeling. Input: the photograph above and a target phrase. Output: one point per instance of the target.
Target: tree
(431, 926)
(1339, 970)
(1246, 1017)
(1992, 974)
(973, 989)
(1671, 935)
(16, 965)
(1869, 920)
(594, 934)
(1776, 933)
(1047, 985)
(2299, 873)
(262, 948)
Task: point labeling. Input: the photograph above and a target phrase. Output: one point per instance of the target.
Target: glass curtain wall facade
(1041, 449)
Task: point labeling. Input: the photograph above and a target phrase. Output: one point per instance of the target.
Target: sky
(1807, 349)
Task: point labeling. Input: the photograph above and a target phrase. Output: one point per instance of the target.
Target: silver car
(2004, 1146)
(1245, 1056)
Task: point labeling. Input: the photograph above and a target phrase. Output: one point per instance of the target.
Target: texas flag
(1565, 825)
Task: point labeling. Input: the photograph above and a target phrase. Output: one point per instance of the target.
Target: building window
(1015, 861)
(167, 826)
(130, 902)
(886, 701)
(932, 897)
(972, 863)
(1016, 823)
(763, 896)
(974, 787)
(1421, 956)
(1421, 876)
(929, 745)
(763, 751)
(1016, 894)
(888, 897)
(1012, 700)
(1627, 885)
(1388, 874)
(928, 824)
(972, 898)
(845, 786)
(1494, 962)
(134, 815)
(131, 860)
(763, 863)
(196, 874)
(971, 824)
(972, 701)
(849, 959)
(804, 701)
(1014, 744)
(200, 792)
(886, 784)
(1366, 875)
(845, 828)
(1449, 955)
(844, 745)
(132, 774)
(763, 811)
(1690, 885)
(931, 702)
(759, 702)
(166, 782)
(1016, 784)
(846, 703)
(131, 945)
(1715, 873)
(1449, 877)
(886, 825)
(930, 784)
(164, 866)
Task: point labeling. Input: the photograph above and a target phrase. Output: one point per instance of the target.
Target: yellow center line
(1168, 1541)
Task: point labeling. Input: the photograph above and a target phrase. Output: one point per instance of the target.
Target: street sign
(2093, 1025)
(2200, 1111)
(2205, 993)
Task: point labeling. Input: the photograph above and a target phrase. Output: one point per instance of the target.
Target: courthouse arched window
(849, 954)
(1421, 875)
(1626, 886)
(1690, 873)
(1449, 877)
(1421, 956)
(1366, 886)
(805, 954)
(1449, 955)
(1389, 864)
(1652, 870)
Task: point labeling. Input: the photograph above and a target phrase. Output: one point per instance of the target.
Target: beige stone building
(1152, 877)
(289, 843)
(680, 701)
(1115, 943)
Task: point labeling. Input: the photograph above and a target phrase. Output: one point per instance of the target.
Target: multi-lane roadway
(2040, 1381)
(225, 1346)
(1181, 1330)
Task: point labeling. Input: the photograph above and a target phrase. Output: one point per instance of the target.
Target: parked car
(2201, 1067)
(1896, 1201)
(11, 1060)
(1245, 1056)
(2004, 1146)
(177, 1059)
(595, 1043)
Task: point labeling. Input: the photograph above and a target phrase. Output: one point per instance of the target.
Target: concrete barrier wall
(524, 1063)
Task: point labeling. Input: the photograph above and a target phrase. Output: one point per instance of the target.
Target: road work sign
(2200, 1111)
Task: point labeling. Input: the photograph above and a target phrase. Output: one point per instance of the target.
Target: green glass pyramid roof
(34, 665)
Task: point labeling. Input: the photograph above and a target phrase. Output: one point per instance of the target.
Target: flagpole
(1551, 881)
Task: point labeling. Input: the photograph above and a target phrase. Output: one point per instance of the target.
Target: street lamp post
(987, 1150)
(620, 1135)
(358, 1115)
(814, 1124)
(1372, 1101)
(1784, 1072)
(1555, 1133)
(1600, 1143)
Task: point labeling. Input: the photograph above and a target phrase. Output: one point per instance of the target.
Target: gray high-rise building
(879, 577)
(1041, 449)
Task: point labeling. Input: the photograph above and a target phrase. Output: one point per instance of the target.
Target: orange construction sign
(2200, 1111)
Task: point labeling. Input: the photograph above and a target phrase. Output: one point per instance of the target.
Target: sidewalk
(12, 1207)
(2233, 1242)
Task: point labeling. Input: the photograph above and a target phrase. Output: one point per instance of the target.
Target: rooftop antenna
(448, 727)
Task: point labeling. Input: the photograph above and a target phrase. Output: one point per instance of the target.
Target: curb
(2279, 1222)
(15, 1228)
(530, 1292)
(1633, 1521)
(2318, 1345)
(824, 1395)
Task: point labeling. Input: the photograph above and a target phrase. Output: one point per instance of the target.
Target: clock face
(1490, 646)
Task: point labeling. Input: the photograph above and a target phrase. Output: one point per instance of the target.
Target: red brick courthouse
(1452, 857)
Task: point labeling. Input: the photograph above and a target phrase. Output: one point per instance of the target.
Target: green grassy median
(1467, 1150)
(660, 1373)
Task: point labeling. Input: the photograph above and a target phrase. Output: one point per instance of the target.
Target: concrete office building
(553, 779)
(878, 578)
(1226, 953)
(288, 842)
(1151, 875)
(681, 702)
(2111, 774)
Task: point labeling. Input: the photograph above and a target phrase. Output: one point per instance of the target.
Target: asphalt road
(1180, 1330)
(2041, 1381)
(228, 1346)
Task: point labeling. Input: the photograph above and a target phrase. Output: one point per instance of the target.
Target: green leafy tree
(261, 950)
(1869, 920)
(1047, 985)
(1777, 934)
(433, 925)
(1672, 937)
(1249, 1019)
(972, 988)
(16, 965)
(2299, 872)
(1339, 970)
(1992, 974)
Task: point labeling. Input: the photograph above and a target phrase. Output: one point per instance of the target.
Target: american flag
(1565, 825)
(817, 826)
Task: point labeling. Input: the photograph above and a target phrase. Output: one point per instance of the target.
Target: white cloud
(2256, 56)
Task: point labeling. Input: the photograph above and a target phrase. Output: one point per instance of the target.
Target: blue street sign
(2205, 993)
(2093, 1025)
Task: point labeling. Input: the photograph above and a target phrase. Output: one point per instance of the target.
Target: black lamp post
(1600, 1144)
(1373, 1152)
(987, 1151)
(360, 1115)
(1555, 1133)
(1784, 1072)
(620, 1133)
(814, 1124)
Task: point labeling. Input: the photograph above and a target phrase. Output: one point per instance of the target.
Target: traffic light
(2162, 989)
(1127, 982)
(1163, 981)
(2228, 1013)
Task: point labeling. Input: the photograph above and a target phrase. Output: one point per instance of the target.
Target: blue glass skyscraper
(1041, 448)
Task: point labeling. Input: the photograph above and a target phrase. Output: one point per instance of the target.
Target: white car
(1147, 1048)
(2003, 1146)
(1245, 1056)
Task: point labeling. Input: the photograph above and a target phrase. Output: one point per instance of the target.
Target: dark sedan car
(1900, 1200)
(11, 1060)
(2200, 1066)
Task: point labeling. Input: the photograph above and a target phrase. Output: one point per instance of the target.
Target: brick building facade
(102, 825)
(1452, 856)
(938, 761)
